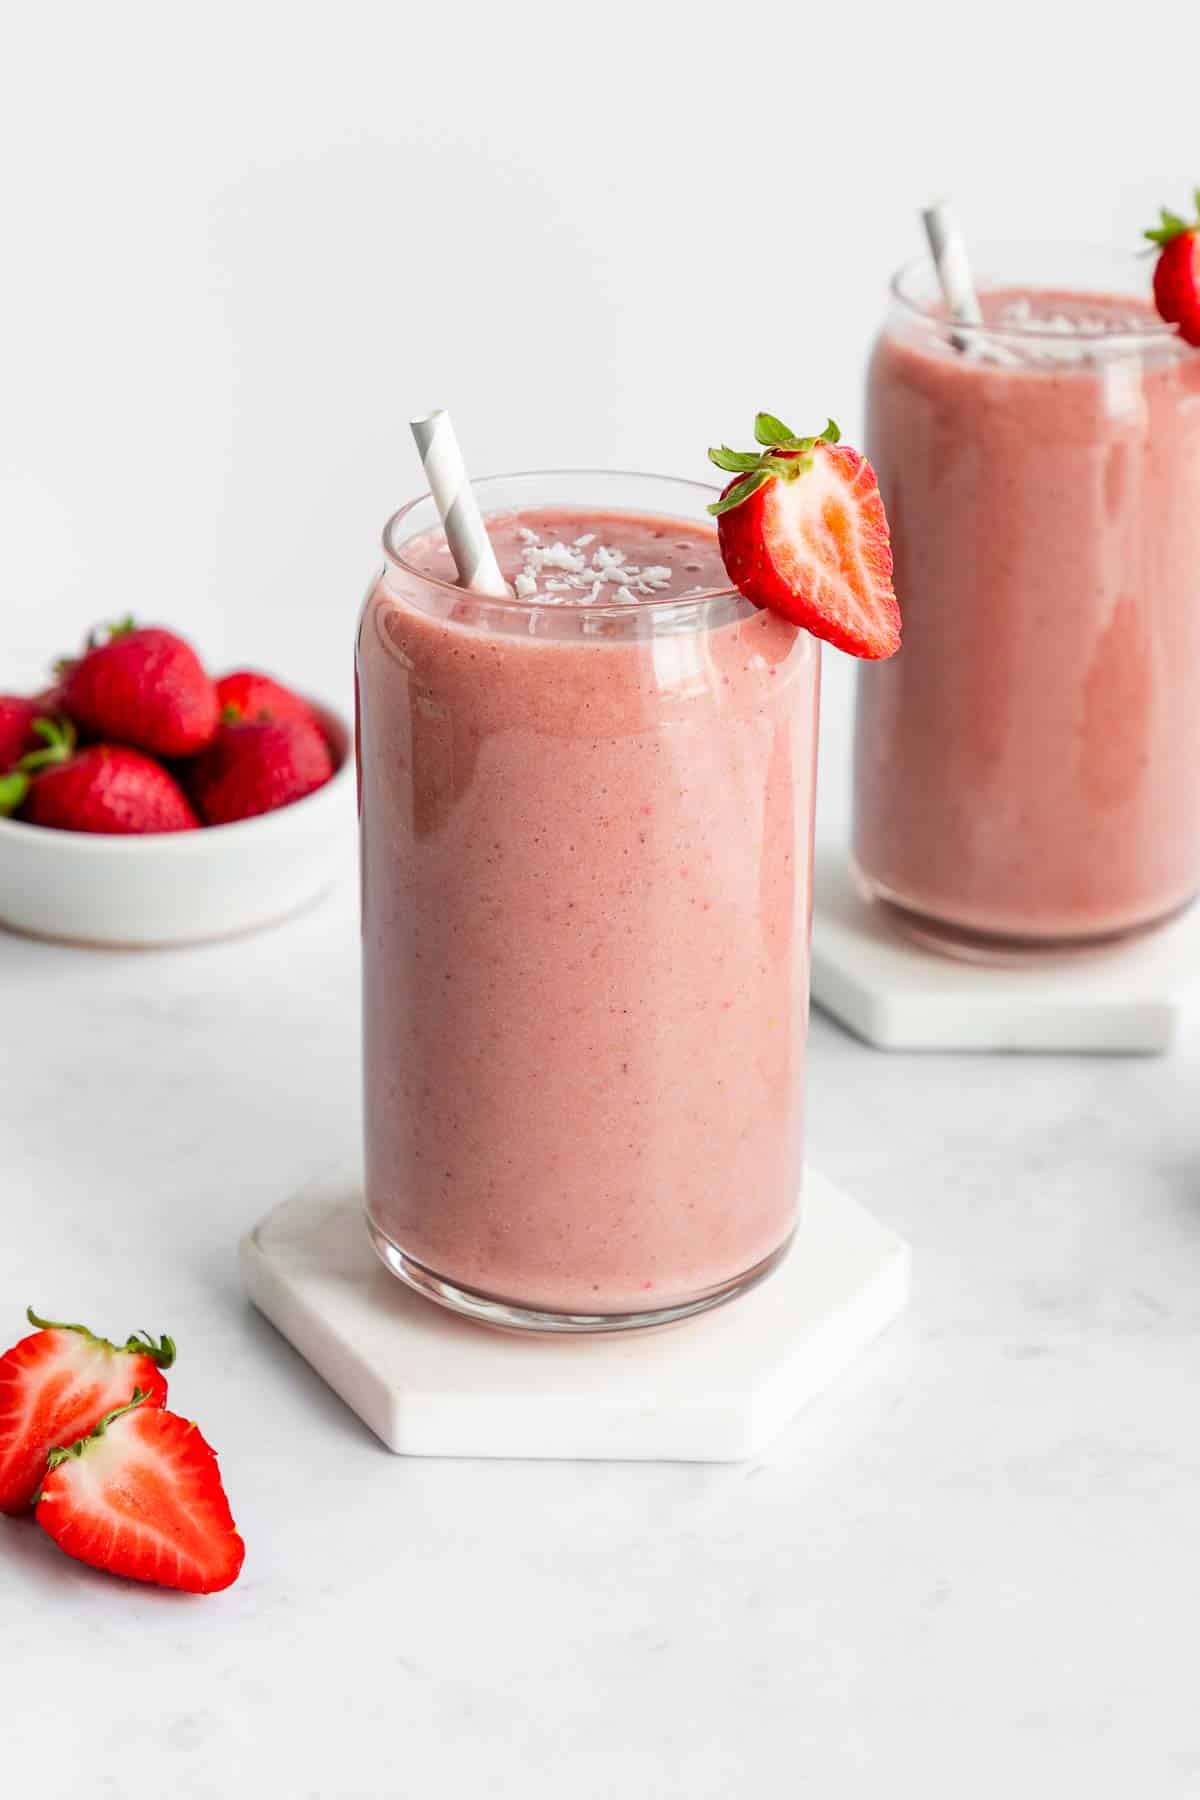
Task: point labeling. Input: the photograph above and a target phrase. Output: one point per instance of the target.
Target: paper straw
(466, 534)
(948, 248)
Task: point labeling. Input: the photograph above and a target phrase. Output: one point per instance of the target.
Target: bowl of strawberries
(144, 802)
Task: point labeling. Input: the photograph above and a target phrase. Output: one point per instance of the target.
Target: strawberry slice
(1177, 272)
(803, 531)
(141, 1496)
(55, 1385)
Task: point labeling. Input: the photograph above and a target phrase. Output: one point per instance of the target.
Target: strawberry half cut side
(803, 531)
(54, 1386)
(141, 1496)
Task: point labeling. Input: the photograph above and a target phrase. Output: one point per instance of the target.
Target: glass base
(995, 949)
(510, 1315)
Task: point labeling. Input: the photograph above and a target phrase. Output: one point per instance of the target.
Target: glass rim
(513, 602)
(1155, 331)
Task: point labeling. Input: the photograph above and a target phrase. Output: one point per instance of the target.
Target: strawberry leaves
(108, 634)
(13, 789)
(58, 738)
(741, 490)
(1172, 226)
(776, 435)
(770, 430)
(139, 1343)
(58, 741)
(58, 746)
(783, 457)
(734, 461)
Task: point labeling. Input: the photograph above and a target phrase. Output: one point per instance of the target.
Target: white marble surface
(973, 1564)
(719, 1388)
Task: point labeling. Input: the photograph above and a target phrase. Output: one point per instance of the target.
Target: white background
(240, 245)
(243, 243)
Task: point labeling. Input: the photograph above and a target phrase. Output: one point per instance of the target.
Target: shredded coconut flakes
(579, 578)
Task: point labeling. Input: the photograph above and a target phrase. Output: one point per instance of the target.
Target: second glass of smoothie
(1025, 773)
(587, 849)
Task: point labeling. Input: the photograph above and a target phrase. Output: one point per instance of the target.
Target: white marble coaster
(715, 1389)
(900, 997)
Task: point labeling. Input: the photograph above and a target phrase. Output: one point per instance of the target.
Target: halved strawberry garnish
(55, 1385)
(803, 531)
(141, 1496)
(1177, 272)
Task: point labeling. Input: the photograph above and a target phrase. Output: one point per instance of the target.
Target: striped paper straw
(466, 534)
(948, 248)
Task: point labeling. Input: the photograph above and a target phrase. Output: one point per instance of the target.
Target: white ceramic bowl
(182, 887)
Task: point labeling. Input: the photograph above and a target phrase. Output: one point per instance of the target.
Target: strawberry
(1177, 272)
(105, 788)
(145, 687)
(53, 1388)
(245, 694)
(141, 1496)
(259, 765)
(803, 531)
(17, 714)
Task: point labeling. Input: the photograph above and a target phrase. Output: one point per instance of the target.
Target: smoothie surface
(1052, 330)
(554, 556)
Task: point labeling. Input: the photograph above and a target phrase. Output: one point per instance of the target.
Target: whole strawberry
(257, 766)
(106, 788)
(1177, 272)
(55, 1386)
(143, 686)
(17, 713)
(245, 694)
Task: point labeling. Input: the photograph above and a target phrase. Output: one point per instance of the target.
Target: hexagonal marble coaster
(715, 1389)
(1130, 997)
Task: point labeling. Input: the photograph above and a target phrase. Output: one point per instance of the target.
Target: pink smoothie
(586, 895)
(1026, 767)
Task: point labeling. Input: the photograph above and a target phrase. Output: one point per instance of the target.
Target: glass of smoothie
(1026, 767)
(586, 819)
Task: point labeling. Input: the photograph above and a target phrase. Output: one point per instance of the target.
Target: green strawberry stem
(96, 638)
(784, 457)
(13, 789)
(63, 1452)
(1172, 225)
(59, 740)
(140, 1344)
(107, 634)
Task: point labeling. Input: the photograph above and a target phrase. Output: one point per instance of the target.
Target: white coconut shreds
(555, 574)
(1045, 337)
